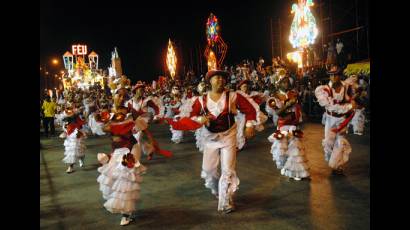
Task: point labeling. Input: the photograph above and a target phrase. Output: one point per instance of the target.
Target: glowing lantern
(68, 60)
(303, 30)
(93, 60)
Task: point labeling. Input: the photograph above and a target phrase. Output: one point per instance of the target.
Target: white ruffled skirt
(296, 164)
(120, 185)
(278, 150)
(74, 148)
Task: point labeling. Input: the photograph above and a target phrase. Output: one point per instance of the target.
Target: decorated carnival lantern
(303, 30)
(216, 48)
(93, 60)
(68, 61)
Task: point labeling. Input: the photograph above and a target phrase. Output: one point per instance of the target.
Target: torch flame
(171, 60)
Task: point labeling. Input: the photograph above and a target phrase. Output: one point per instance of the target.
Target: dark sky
(141, 31)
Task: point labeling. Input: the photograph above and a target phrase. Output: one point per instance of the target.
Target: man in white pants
(216, 110)
(340, 110)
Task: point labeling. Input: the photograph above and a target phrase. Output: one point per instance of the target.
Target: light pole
(47, 71)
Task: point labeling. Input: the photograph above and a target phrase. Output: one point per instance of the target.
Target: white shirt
(217, 107)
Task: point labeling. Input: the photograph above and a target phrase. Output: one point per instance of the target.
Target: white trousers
(221, 149)
(336, 147)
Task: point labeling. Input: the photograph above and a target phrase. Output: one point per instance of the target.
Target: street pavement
(173, 195)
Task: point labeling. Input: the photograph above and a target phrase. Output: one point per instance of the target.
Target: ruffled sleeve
(247, 106)
(322, 94)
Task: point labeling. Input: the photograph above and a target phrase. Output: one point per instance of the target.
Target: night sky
(141, 31)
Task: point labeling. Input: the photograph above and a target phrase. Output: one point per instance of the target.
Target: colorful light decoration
(303, 30)
(171, 60)
(212, 30)
(216, 48)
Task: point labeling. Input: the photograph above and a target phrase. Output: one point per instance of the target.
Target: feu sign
(79, 49)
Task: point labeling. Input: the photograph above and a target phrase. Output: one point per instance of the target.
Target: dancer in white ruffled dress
(359, 95)
(287, 146)
(138, 107)
(201, 89)
(186, 109)
(172, 111)
(121, 172)
(74, 140)
(255, 100)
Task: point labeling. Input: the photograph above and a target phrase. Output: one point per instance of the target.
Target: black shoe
(338, 171)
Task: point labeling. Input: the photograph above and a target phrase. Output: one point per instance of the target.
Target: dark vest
(224, 121)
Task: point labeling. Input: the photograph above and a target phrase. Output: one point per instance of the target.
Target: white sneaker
(125, 221)
(297, 178)
(282, 171)
(69, 170)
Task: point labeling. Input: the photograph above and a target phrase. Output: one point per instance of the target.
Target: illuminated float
(80, 73)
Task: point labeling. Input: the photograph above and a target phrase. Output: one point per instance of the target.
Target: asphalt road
(173, 195)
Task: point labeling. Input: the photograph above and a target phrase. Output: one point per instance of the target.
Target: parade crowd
(224, 108)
